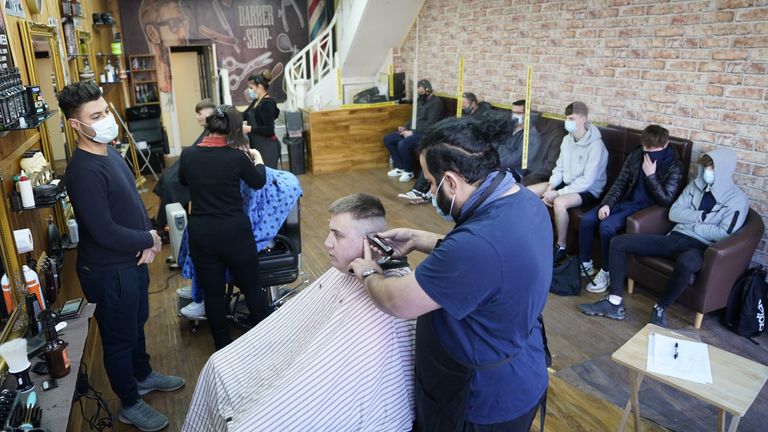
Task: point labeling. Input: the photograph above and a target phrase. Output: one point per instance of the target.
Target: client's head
(226, 121)
(352, 217)
(203, 109)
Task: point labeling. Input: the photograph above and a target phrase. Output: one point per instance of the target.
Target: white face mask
(105, 130)
(444, 215)
(252, 93)
(709, 176)
(570, 126)
(519, 118)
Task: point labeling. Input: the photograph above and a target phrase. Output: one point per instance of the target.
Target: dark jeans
(687, 252)
(216, 245)
(520, 424)
(122, 308)
(421, 183)
(401, 149)
(609, 227)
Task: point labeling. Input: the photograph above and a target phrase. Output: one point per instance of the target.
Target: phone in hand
(379, 243)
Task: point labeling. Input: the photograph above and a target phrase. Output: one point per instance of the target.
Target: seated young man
(710, 209)
(515, 162)
(402, 142)
(652, 174)
(579, 175)
(329, 360)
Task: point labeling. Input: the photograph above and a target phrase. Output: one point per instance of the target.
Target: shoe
(143, 417)
(415, 197)
(193, 311)
(159, 382)
(600, 282)
(396, 172)
(659, 316)
(587, 269)
(559, 254)
(604, 308)
(406, 176)
(185, 292)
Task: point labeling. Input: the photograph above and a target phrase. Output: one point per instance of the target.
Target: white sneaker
(395, 172)
(588, 269)
(406, 176)
(414, 196)
(185, 292)
(193, 310)
(601, 282)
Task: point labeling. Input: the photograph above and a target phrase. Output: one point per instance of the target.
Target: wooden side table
(736, 381)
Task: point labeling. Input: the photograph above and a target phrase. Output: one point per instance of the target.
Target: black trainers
(604, 308)
(659, 316)
(558, 255)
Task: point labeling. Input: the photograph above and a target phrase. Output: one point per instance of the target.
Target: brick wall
(699, 68)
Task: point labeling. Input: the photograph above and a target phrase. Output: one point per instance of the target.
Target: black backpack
(745, 312)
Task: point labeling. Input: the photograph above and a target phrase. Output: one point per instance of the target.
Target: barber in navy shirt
(480, 347)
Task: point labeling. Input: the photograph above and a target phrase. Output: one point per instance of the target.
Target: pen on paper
(676, 351)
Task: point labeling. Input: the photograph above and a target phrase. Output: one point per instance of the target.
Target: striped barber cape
(328, 360)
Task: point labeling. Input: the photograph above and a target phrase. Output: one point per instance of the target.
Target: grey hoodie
(581, 164)
(731, 203)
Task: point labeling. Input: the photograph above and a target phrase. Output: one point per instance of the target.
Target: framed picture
(34, 6)
(13, 8)
(5, 50)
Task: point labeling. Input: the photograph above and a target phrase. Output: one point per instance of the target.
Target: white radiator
(177, 223)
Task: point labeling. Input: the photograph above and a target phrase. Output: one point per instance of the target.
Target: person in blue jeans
(403, 142)
(652, 174)
(116, 244)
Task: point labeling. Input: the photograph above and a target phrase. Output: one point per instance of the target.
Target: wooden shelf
(147, 103)
(142, 70)
(145, 82)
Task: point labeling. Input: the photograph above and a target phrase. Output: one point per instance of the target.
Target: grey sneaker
(160, 382)
(659, 316)
(143, 417)
(605, 308)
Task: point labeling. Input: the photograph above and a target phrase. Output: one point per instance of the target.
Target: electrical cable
(167, 283)
(95, 422)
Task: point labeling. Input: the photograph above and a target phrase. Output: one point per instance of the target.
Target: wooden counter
(351, 139)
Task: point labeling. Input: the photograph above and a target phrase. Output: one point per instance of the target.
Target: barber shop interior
(383, 215)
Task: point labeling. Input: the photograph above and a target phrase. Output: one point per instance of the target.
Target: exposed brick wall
(699, 68)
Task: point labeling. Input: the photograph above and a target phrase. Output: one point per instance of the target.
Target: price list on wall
(5, 52)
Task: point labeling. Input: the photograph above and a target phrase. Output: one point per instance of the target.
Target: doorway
(191, 75)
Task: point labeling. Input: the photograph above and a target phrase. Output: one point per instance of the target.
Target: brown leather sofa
(724, 262)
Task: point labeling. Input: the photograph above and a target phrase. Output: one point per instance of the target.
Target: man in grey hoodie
(579, 175)
(710, 209)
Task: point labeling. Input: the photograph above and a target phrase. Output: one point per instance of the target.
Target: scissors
(233, 65)
(282, 13)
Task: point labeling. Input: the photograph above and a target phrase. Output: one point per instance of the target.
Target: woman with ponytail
(220, 235)
(260, 119)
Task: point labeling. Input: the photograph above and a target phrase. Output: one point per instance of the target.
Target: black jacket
(663, 186)
(262, 117)
(427, 114)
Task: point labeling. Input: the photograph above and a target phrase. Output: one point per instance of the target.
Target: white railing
(313, 63)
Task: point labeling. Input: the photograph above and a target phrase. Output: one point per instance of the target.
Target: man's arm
(684, 210)
(663, 192)
(399, 296)
(597, 160)
(731, 220)
(620, 185)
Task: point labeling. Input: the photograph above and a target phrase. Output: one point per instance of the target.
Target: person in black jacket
(652, 174)
(402, 142)
(220, 234)
(260, 117)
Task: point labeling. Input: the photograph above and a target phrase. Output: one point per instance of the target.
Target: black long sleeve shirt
(213, 176)
(427, 114)
(262, 117)
(112, 220)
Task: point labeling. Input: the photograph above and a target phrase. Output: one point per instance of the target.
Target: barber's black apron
(443, 382)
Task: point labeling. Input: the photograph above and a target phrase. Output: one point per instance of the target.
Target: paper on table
(692, 362)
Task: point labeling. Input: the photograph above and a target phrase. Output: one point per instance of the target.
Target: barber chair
(145, 125)
(279, 265)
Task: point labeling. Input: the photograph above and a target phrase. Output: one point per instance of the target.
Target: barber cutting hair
(480, 347)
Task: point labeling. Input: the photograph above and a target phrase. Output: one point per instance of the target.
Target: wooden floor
(573, 337)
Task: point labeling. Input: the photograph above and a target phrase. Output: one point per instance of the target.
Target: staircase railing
(313, 63)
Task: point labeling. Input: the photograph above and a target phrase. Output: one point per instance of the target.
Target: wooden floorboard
(574, 338)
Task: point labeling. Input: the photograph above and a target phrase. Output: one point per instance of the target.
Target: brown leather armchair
(724, 262)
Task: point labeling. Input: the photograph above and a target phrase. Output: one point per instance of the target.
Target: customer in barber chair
(168, 187)
(219, 230)
(328, 360)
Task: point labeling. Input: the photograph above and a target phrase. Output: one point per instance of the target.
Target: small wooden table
(736, 381)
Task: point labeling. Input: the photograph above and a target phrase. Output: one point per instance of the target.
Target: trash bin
(296, 154)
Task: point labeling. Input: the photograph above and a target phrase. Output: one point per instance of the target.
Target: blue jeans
(687, 252)
(401, 149)
(122, 308)
(608, 227)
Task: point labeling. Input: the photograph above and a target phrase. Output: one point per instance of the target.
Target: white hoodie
(581, 164)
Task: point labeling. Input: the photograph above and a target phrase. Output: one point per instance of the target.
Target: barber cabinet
(145, 125)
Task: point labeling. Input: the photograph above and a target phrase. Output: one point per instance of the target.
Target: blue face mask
(709, 176)
(570, 126)
(251, 93)
(444, 215)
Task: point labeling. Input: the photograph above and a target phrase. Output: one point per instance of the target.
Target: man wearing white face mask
(116, 243)
(710, 209)
(579, 175)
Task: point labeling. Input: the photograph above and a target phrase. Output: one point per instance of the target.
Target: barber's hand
(158, 243)
(406, 133)
(400, 128)
(604, 212)
(649, 166)
(146, 256)
(402, 240)
(246, 128)
(549, 197)
(359, 265)
(256, 156)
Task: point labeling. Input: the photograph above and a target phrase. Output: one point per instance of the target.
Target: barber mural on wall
(250, 36)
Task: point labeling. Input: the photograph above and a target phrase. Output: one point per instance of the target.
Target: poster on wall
(5, 50)
(13, 8)
(250, 36)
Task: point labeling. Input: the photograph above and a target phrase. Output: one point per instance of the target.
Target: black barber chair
(279, 265)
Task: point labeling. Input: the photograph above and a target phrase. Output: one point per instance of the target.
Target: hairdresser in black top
(220, 234)
(260, 119)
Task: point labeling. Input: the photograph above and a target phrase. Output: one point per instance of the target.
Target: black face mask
(466, 111)
(422, 97)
